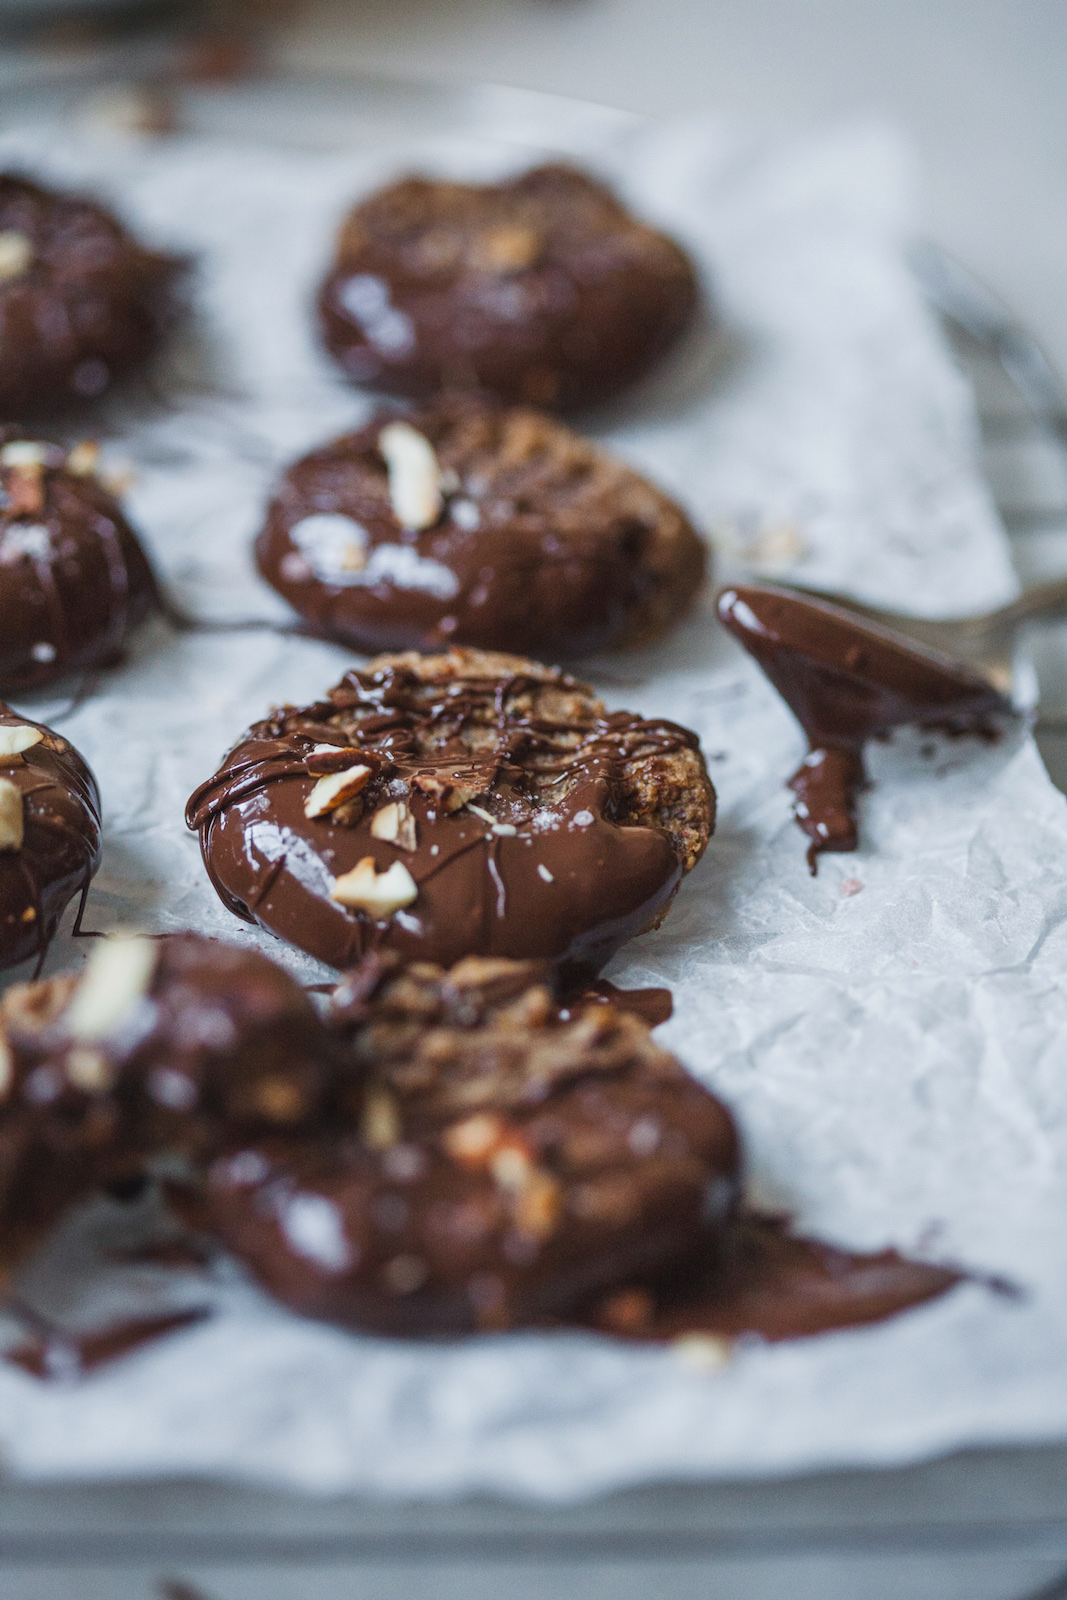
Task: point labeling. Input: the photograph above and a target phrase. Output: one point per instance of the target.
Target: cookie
(496, 1161)
(74, 579)
(162, 1047)
(542, 290)
(848, 681)
(49, 834)
(469, 803)
(81, 301)
(466, 524)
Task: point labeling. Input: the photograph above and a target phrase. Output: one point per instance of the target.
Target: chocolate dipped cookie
(467, 524)
(49, 834)
(74, 579)
(496, 1159)
(542, 290)
(81, 301)
(161, 1047)
(469, 803)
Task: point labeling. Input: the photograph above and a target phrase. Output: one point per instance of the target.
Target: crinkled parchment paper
(890, 1033)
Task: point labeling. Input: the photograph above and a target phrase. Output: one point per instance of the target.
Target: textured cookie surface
(492, 806)
(80, 300)
(495, 1160)
(533, 540)
(73, 577)
(542, 290)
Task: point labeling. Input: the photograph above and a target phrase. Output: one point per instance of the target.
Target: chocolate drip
(554, 861)
(846, 682)
(61, 1355)
(60, 850)
(756, 1277)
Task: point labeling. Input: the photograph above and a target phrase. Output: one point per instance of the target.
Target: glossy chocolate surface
(848, 681)
(74, 579)
(451, 1151)
(585, 820)
(756, 1277)
(512, 1157)
(544, 544)
(60, 850)
(80, 300)
(541, 290)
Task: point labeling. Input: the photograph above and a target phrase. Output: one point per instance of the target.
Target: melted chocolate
(544, 545)
(475, 1156)
(74, 579)
(67, 1356)
(541, 290)
(558, 861)
(846, 682)
(80, 300)
(650, 1006)
(60, 850)
(755, 1277)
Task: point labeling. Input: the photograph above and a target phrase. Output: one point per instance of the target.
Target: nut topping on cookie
(12, 816)
(16, 253)
(335, 789)
(414, 476)
(16, 739)
(379, 894)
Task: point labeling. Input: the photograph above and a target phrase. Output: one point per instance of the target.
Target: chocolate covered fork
(848, 678)
(983, 642)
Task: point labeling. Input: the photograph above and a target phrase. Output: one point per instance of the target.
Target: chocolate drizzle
(60, 849)
(846, 682)
(577, 830)
(757, 1277)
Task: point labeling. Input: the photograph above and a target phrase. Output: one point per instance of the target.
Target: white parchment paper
(890, 1033)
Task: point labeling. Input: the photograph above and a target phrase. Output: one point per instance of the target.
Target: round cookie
(513, 1160)
(466, 524)
(160, 1047)
(49, 833)
(541, 290)
(73, 577)
(80, 300)
(470, 803)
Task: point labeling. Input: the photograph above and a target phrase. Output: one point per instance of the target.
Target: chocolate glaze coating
(513, 1158)
(543, 289)
(80, 300)
(74, 579)
(846, 682)
(585, 823)
(455, 1150)
(215, 1041)
(60, 850)
(544, 544)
